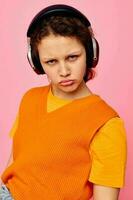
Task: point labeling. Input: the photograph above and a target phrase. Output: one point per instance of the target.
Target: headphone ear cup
(95, 52)
(92, 52)
(34, 61)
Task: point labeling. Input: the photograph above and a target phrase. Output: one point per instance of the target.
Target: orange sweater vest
(51, 150)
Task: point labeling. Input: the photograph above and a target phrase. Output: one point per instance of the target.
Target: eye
(73, 57)
(51, 62)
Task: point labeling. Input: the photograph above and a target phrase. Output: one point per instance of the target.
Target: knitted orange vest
(51, 150)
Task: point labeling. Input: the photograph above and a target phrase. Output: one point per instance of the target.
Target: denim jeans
(5, 193)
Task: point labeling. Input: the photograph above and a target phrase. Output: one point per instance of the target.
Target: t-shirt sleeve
(14, 127)
(108, 151)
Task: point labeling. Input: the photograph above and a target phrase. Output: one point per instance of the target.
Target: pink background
(111, 23)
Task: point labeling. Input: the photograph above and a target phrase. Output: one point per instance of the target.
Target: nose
(64, 69)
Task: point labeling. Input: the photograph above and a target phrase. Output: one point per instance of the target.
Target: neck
(80, 92)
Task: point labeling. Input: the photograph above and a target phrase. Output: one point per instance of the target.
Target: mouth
(66, 82)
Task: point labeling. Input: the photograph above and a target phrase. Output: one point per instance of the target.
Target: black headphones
(62, 9)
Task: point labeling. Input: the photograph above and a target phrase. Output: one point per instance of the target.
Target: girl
(68, 143)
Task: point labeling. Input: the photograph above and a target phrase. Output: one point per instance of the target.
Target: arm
(108, 152)
(11, 134)
(10, 160)
(107, 193)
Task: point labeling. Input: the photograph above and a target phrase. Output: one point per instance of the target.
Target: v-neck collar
(67, 107)
(52, 97)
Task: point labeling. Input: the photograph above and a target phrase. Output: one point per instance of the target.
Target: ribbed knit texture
(51, 156)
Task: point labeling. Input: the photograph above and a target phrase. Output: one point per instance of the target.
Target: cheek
(50, 74)
(46, 69)
(81, 67)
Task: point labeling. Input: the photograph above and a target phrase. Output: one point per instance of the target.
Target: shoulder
(103, 107)
(34, 90)
(112, 135)
(31, 96)
(113, 123)
(114, 127)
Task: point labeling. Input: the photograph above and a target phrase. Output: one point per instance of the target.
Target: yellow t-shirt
(108, 148)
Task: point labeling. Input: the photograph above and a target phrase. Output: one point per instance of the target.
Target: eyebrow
(75, 52)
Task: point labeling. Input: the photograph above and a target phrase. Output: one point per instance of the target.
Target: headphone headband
(63, 10)
(58, 9)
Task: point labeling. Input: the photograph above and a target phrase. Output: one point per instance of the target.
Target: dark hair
(64, 26)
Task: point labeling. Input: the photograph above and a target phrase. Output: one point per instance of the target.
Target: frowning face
(63, 58)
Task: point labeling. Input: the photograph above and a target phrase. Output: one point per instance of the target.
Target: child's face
(63, 58)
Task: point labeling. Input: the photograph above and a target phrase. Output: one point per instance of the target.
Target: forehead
(59, 44)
